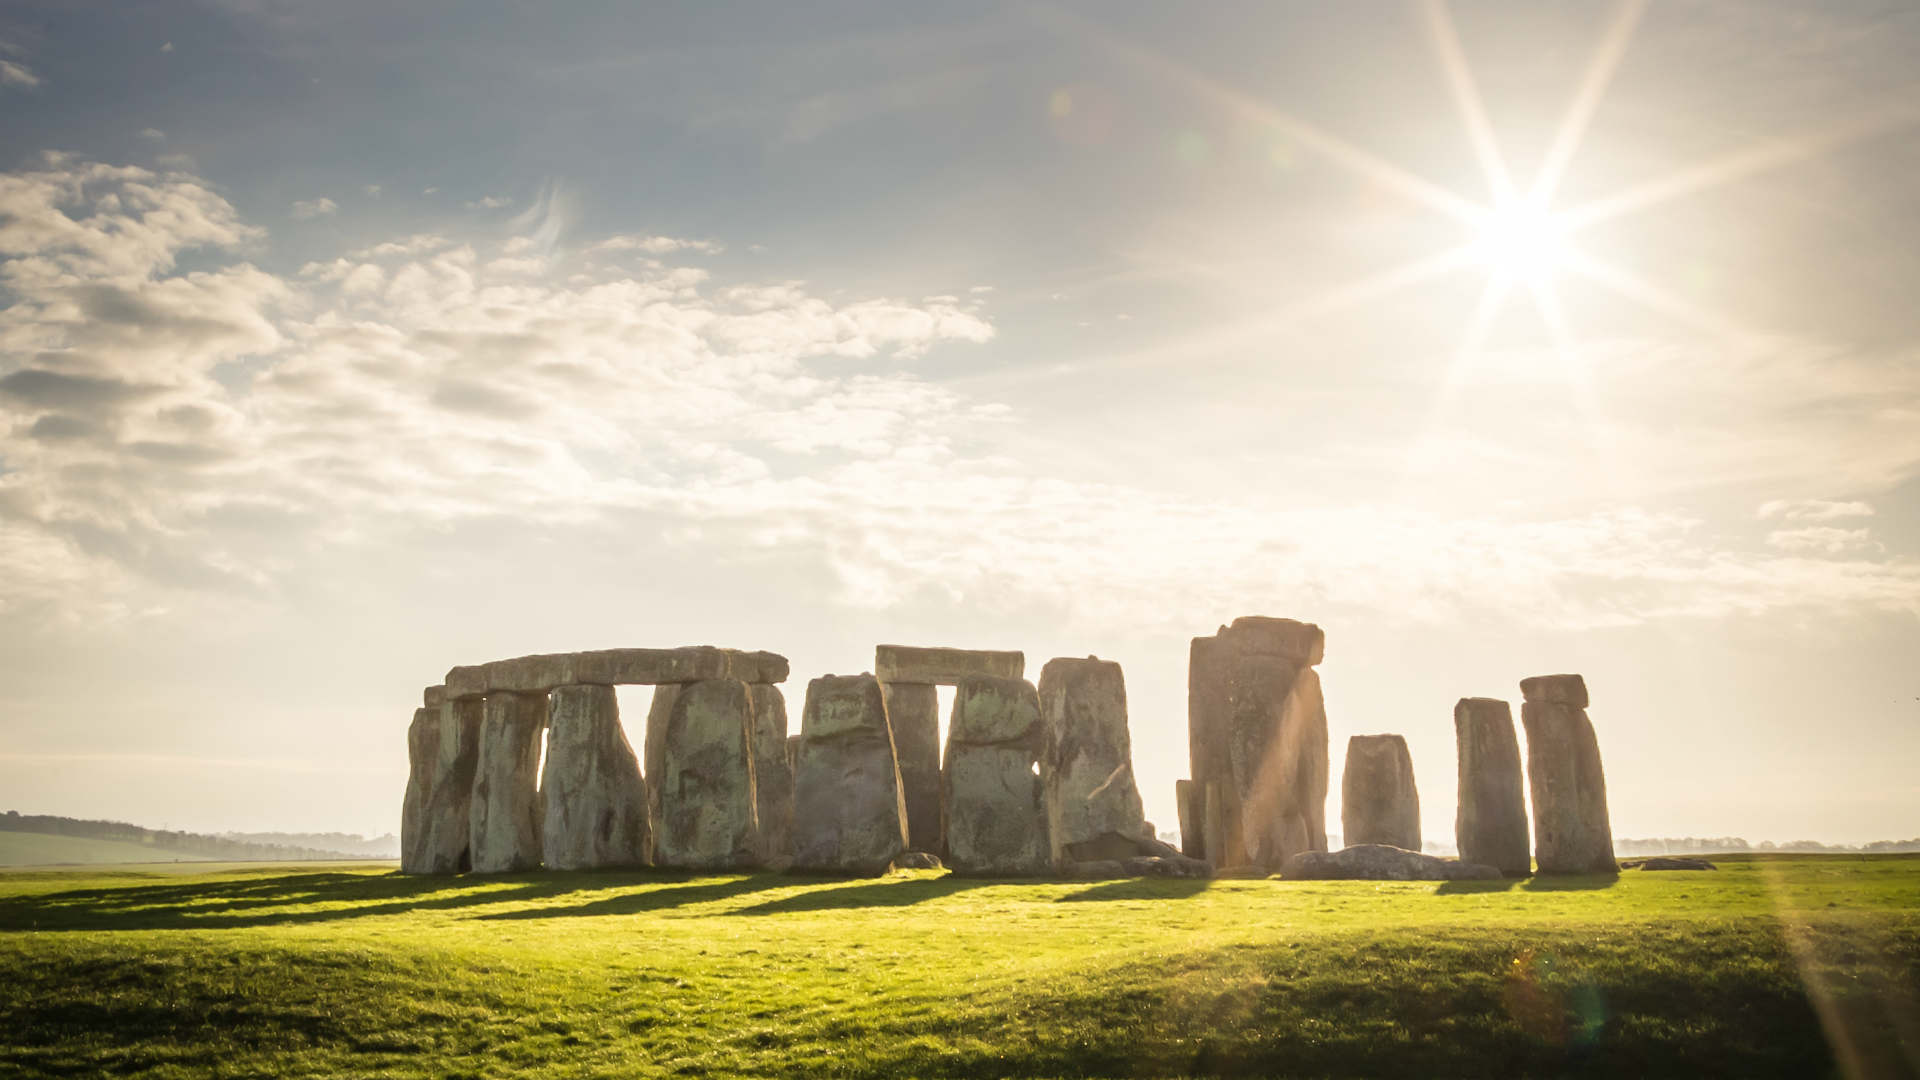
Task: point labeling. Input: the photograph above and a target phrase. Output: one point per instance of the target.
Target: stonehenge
(1257, 742)
(1571, 830)
(994, 790)
(1490, 823)
(520, 764)
(849, 816)
(1379, 803)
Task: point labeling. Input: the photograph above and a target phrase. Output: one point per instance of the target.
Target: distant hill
(46, 839)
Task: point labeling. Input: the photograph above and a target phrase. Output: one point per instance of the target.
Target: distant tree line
(1671, 845)
(236, 847)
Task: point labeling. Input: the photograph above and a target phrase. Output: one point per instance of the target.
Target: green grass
(1778, 966)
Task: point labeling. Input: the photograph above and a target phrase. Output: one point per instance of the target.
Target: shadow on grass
(296, 899)
(1140, 889)
(1570, 882)
(1456, 888)
(869, 894)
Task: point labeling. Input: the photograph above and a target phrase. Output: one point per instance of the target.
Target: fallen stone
(1093, 870)
(505, 816)
(1669, 862)
(709, 819)
(1572, 833)
(1490, 825)
(1091, 795)
(1379, 802)
(595, 801)
(995, 795)
(848, 813)
(1168, 866)
(1379, 862)
(435, 819)
(1555, 690)
(772, 774)
(943, 667)
(913, 712)
(917, 860)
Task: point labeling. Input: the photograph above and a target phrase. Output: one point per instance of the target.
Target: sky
(345, 342)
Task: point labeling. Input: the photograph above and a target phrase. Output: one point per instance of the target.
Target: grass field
(1775, 966)
(41, 849)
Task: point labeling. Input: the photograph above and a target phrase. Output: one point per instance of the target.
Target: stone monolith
(913, 713)
(1490, 825)
(435, 822)
(594, 799)
(1094, 810)
(709, 817)
(1571, 830)
(505, 815)
(1257, 739)
(848, 813)
(772, 774)
(653, 748)
(994, 793)
(1379, 803)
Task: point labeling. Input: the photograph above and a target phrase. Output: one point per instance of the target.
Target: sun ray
(1348, 156)
(1760, 157)
(1466, 96)
(1620, 281)
(1586, 100)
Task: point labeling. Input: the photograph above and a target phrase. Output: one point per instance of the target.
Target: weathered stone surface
(917, 860)
(1555, 690)
(848, 814)
(653, 748)
(1572, 833)
(1257, 730)
(443, 749)
(1379, 802)
(595, 801)
(1379, 862)
(1190, 800)
(1668, 862)
(1091, 794)
(913, 712)
(1170, 866)
(772, 774)
(994, 792)
(944, 667)
(433, 696)
(709, 817)
(1490, 825)
(506, 810)
(542, 672)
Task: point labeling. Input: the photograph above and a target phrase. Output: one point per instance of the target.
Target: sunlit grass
(327, 971)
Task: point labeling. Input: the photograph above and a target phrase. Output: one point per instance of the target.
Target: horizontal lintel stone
(944, 667)
(615, 667)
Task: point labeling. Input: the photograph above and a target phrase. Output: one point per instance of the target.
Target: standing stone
(505, 816)
(709, 818)
(1191, 801)
(443, 748)
(1379, 803)
(772, 774)
(848, 813)
(1093, 805)
(1490, 826)
(1571, 830)
(913, 712)
(654, 748)
(595, 802)
(994, 794)
(1257, 730)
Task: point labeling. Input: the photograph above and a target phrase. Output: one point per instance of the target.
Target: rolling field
(1771, 966)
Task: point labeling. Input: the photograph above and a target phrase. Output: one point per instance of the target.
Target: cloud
(372, 191)
(658, 245)
(488, 202)
(307, 209)
(167, 48)
(153, 134)
(16, 74)
(1821, 538)
(1813, 509)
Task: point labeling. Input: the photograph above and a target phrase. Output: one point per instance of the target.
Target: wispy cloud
(307, 209)
(658, 245)
(17, 74)
(1813, 509)
(488, 202)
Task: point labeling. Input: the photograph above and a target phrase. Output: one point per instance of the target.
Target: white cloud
(153, 134)
(658, 245)
(488, 202)
(15, 74)
(308, 209)
(167, 48)
(1813, 509)
(1821, 538)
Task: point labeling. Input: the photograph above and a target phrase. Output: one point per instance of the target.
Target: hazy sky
(342, 344)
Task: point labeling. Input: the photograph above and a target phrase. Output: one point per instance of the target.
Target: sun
(1520, 241)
